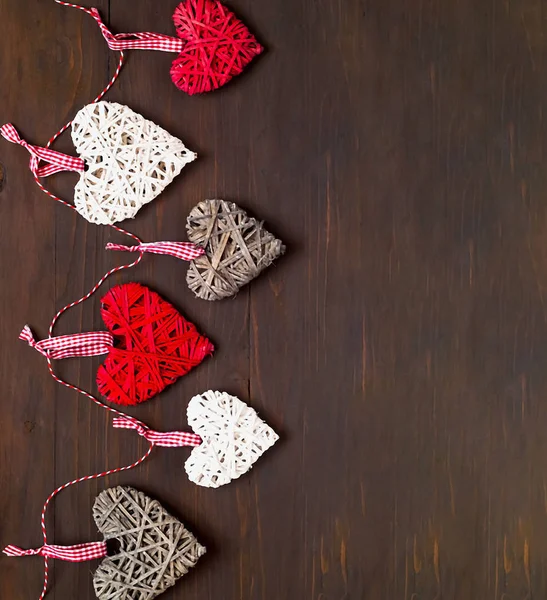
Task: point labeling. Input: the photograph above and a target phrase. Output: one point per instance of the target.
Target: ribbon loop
(78, 553)
(70, 346)
(55, 161)
(144, 40)
(170, 439)
(180, 250)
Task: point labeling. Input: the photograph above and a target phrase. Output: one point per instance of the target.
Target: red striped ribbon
(55, 161)
(144, 40)
(78, 553)
(181, 250)
(170, 439)
(93, 343)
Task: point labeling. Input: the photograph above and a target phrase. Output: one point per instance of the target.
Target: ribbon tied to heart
(144, 40)
(56, 162)
(148, 342)
(155, 551)
(77, 553)
(92, 343)
(181, 250)
(167, 439)
(213, 44)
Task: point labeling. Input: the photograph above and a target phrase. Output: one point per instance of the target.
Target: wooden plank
(401, 155)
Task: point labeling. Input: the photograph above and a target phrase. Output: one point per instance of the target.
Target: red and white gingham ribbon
(169, 439)
(68, 346)
(56, 161)
(144, 40)
(79, 553)
(181, 250)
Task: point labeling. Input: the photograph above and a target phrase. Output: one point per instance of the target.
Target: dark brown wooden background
(400, 348)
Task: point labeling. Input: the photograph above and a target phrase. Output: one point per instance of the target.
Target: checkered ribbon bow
(79, 553)
(169, 439)
(181, 250)
(132, 41)
(68, 346)
(56, 161)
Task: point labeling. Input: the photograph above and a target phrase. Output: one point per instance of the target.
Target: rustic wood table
(400, 348)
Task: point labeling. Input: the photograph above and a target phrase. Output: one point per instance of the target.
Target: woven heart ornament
(149, 345)
(218, 46)
(237, 248)
(129, 161)
(125, 161)
(156, 345)
(233, 438)
(155, 548)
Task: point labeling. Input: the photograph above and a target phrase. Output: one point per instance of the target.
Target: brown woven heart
(237, 249)
(155, 548)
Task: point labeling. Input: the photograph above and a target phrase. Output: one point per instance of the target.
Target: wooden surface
(398, 148)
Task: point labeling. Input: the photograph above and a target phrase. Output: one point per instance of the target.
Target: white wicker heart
(129, 161)
(233, 435)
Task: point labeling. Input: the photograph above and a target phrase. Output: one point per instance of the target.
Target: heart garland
(155, 548)
(155, 345)
(129, 162)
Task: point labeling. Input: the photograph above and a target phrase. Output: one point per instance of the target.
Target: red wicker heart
(155, 345)
(219, 46)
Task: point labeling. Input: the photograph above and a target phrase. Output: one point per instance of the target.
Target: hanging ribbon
(79, 553)
(170, 439)
(144, 40)
(69, 346)
(55, 161)
(180, 250)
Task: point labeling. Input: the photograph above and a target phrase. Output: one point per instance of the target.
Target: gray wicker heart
(237, 249)
(155, 548)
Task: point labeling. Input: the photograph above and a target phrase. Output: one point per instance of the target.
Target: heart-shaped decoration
(237, 249)
(129, 161)
(154, 345)
(219, 46)
(155, 548)
(233, 435)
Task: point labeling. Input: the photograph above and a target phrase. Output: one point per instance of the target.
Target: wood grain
(399, 348)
